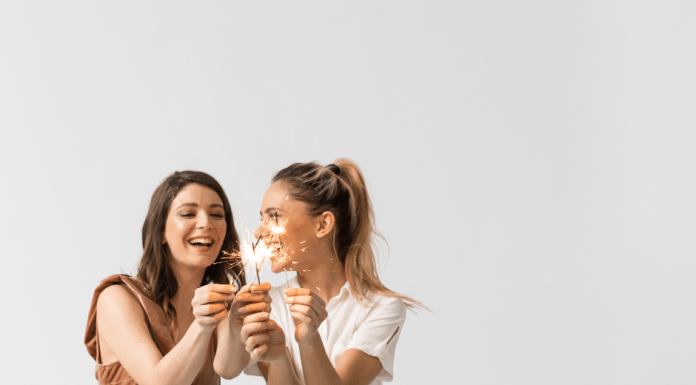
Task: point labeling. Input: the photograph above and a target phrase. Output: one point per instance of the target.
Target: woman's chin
(278, 267)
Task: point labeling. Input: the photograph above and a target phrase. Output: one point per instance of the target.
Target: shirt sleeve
(379, 333)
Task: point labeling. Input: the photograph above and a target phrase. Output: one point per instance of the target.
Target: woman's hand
(308, 311)
(210, 304)
(263, 338)
(251, 299)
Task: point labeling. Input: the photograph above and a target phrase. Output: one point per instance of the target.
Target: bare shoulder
(123, 330)
(117, 304)
(117, 298)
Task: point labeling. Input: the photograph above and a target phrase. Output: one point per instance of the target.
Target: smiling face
(299, 238)
(195, 228)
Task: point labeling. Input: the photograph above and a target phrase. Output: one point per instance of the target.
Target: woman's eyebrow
(196, 205)
(272, 209)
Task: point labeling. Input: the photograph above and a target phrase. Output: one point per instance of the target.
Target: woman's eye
(218, 215)
(186, 214)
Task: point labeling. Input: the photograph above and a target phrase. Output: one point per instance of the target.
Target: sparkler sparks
(267, 246)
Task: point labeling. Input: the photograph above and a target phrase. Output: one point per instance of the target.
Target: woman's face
(195, 228)
(300, 229)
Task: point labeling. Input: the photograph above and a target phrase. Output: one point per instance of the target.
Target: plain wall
(531, 164)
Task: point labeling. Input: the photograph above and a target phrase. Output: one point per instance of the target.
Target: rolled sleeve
(378, 334)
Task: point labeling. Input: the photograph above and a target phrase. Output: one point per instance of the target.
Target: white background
(531, 164)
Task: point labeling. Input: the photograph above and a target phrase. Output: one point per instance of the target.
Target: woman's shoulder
(121, 282)
(384, 304)
(119, 293)
(113, 298)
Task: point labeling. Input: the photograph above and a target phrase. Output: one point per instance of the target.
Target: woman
(345, 324)
(175, 322)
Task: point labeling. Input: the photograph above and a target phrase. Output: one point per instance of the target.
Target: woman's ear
(325, 224)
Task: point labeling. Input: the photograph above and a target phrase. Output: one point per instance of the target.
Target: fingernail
(242, 309)
(264, 315)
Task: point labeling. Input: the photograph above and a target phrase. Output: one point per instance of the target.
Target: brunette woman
(336, 323)
(175, 322)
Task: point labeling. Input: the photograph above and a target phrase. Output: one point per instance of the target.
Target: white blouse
(373, 329)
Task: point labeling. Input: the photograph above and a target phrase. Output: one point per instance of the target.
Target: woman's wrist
(204, 330)
(311, 341)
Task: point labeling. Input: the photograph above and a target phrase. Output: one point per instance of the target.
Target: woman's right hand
(251, 299)
(210, 304)
(263, 338)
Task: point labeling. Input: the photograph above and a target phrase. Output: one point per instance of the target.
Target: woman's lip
(201, 247)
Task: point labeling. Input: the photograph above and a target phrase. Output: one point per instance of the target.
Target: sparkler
(261, 250)
(277, 230)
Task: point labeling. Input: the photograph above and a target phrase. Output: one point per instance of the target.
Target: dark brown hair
(340, 189)
(154, 270)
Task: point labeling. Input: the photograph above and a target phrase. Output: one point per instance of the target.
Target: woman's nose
(203, 222)
(259, 231)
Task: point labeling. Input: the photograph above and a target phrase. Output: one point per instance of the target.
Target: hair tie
(336, 170)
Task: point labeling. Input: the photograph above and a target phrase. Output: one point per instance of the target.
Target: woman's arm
(265, 342)
(122, 327)
(279, 372)
(231, 356)
(354, 366)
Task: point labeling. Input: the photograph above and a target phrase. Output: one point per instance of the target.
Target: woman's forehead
(278, 197)
(195, 192)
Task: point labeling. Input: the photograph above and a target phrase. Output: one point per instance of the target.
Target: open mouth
(201, 242)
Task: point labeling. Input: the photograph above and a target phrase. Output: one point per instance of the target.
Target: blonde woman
(336, 323)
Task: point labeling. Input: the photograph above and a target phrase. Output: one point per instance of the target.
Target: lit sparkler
(263, 249)
(276, 230)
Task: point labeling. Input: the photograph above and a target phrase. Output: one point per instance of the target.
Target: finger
(293, 291)
(304, 309)
(258, 353)
(255, 307)
(253, 341)
(256, 317)
(244, 289)
(215, 307)
(301, 318)
(301, 300)
(206, 310)
(211, 319)
(264, 287)
(318, 308)
(217, 287)
(216, 297)
(249, 329)
(256, 297)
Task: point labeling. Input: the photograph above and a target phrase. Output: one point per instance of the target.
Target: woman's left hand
(308, 311)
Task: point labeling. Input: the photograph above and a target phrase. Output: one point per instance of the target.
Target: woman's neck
(325, 279)
(188, 281)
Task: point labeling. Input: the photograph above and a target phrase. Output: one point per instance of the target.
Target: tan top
(159, 330)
